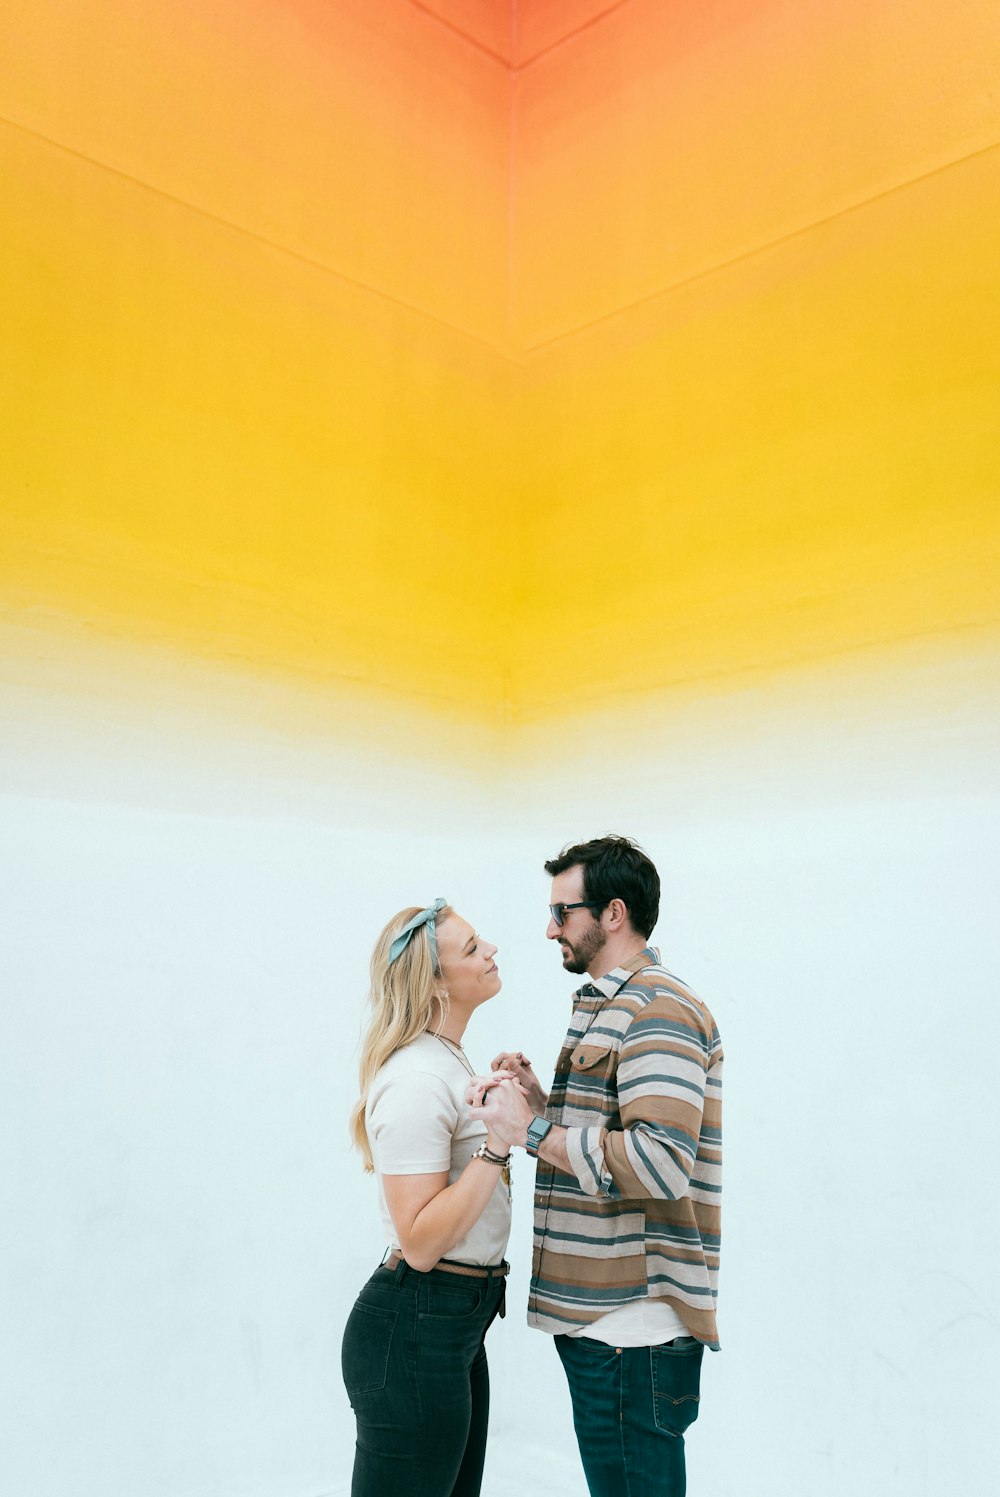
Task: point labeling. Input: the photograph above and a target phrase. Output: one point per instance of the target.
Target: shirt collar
(608, 985)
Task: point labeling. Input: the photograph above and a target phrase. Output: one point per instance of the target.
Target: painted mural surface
(432, 433)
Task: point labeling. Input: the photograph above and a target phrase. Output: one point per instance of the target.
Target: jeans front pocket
(366, 1347)
(449, 1297)
(676, 1372)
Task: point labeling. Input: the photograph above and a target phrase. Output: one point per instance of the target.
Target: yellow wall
(792, 457)
(349, 348)
(217, 447)
(253, 276)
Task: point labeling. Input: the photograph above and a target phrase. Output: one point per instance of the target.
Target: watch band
(538, 1131)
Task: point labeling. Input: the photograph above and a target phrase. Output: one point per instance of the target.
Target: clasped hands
(507, 1100)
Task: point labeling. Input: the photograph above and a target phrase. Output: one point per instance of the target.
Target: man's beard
(577, 956)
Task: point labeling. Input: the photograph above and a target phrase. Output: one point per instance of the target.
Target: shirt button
(618, 1351)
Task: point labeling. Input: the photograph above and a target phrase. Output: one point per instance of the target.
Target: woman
(413, 1357)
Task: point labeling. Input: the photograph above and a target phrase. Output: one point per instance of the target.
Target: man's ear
(617, 913)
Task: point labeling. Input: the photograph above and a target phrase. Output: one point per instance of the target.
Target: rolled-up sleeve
(585, 1148)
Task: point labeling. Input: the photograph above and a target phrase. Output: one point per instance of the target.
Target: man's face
(581, 935)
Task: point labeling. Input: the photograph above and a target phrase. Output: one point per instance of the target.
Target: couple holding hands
(627, 1144)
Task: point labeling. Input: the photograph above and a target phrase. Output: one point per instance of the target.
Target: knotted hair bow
(426, 917)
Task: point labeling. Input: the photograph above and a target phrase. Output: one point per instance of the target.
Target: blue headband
(426, 917)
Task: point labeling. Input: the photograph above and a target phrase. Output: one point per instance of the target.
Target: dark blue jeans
(630, 1409)
(415, 1369)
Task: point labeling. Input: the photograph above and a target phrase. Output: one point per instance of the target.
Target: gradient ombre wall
(430, 432)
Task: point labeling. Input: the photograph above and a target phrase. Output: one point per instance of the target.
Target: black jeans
(630, 1409)
(415, 1369)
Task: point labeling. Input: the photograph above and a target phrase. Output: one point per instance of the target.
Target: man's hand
(500, 1102)
(515, 1063)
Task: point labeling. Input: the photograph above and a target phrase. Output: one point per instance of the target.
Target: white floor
(528, 1469)
(520, 1472)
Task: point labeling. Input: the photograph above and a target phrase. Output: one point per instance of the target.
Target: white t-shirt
(418, 1124)
(645, 1322)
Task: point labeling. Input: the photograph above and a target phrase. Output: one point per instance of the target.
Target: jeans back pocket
(365, 1351)
(676, 1373)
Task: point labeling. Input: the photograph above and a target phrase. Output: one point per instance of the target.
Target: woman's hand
(515, 1063)
(501, 1102)
(475, 1092)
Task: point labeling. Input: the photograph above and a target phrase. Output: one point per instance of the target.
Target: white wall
(181, 993)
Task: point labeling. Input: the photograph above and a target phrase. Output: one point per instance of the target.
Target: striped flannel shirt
(638, 1086)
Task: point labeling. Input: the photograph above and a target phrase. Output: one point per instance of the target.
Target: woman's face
(467, 966)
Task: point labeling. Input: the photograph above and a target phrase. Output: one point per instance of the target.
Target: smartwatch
(538, 1130)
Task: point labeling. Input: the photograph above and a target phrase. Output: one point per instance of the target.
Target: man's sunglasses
(558, 911)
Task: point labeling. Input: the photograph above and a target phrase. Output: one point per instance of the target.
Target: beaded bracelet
(501, 1160)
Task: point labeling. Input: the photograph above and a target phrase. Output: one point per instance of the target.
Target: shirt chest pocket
(594, 1063)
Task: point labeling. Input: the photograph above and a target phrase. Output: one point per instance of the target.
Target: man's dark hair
(614, 868)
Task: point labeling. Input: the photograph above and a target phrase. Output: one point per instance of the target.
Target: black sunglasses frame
(558, 911)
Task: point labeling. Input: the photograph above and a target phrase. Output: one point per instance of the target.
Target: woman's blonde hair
(406, 998)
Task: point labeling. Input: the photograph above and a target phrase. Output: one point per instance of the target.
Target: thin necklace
(457, 1051)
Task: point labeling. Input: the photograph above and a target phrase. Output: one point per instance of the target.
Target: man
(628, 1144)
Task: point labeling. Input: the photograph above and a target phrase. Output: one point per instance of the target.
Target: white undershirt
(645, 1322)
